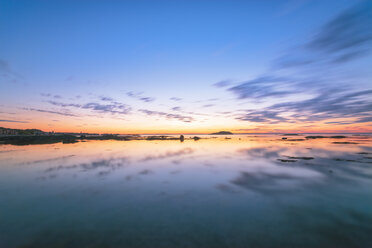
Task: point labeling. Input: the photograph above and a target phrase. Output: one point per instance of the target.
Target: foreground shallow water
(247, 191)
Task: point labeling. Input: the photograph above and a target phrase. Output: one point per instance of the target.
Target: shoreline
(69, 139)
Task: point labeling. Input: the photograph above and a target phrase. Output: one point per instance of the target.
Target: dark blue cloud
(60, 104)
(356, 105)
(364, 119)
(265, 116)
(176, 108)
(106, 98)
(147, 99)
(348, 32)
(311, 68)
(345, 38)
(265, 86)
(113, 107)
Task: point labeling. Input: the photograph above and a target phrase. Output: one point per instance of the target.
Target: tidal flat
(244, 191)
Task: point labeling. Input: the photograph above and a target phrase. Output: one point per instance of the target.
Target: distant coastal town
(11, 131)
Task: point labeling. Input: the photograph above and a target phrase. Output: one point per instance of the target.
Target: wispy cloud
(50, 112)
(208, 105)
(55, 96)
(178, 108)
(14, 121)
(356, 105)
(345, 38)
(176, 99)
(167, 115)
(265, 86)
(60, 104)
(106, 98)
(139, 96)
(8, 73)
(223, 83)
(266, 116)
(113, 107)
(311, 69)
(349, 33)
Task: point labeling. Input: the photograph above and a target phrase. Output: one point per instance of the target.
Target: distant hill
(222, 133)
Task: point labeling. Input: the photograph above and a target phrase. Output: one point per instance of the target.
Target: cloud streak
(311, 69)
(50, 112)
(356, 105)
(169, 116)
(139, 96)
(113, 107)
(14, 121)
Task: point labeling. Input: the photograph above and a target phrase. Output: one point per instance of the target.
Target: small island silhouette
(222, 133)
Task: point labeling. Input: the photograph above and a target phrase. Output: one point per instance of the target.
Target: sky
(192, 66)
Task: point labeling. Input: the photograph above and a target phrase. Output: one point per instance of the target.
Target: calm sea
(243, 191)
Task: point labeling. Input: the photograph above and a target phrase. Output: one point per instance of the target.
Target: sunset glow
(142, 67)
(185, 123)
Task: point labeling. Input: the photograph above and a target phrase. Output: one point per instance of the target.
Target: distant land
(222, 133)
(35, 136)
(11, 131)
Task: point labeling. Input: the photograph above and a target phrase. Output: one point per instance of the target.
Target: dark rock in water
(304, 158)
(196, 138)
(287, 160)
(69, 141)
(285, 138)
(364, 153)
(344, 143)
(352, 160)
(315, 137)
(161, 137)
(321, 137)
(182, 138)
(37, 139)
(222, 133)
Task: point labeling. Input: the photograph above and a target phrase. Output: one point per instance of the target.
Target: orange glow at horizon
(172, 127)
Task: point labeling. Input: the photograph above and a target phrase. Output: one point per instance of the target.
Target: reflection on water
(248, 191)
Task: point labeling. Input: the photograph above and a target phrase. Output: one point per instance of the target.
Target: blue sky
(61, 56)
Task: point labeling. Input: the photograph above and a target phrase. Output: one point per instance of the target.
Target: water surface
(247, 191)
